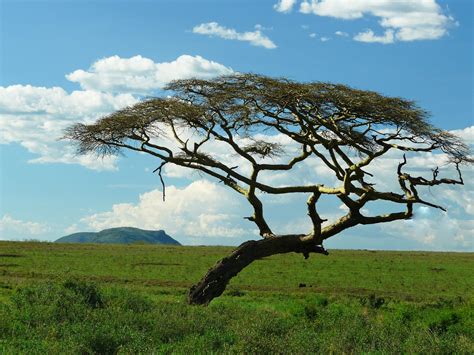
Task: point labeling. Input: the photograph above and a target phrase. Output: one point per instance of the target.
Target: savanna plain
(109, 299)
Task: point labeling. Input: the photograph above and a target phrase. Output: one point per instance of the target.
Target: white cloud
(466, 134)
(27, 99)
(284, 5)
(255, 38)
(198, 211)
(35, 117)
(462, 199)
(324, 39)
(12, 228)
(370, 37)
(142, 75)
(438, 232)
(262, 28)
(312, 35)
(74, 228)
(341, 33)
(407, 20)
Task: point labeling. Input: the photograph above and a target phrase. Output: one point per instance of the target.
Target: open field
(131, 298)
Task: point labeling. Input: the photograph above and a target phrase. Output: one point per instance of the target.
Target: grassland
(79, 298)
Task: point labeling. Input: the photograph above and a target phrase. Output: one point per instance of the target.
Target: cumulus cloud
(35, 117)
(142, 75)
(27, 99)
(198, 213)
(467, 134)
(284, 5)
(370, 37)
(437, 232)
(255, 38)
(11, 228)
(408, 20)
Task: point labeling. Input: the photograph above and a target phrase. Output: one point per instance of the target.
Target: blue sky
(422, 51)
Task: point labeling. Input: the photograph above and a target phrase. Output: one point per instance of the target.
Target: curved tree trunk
(216, 279)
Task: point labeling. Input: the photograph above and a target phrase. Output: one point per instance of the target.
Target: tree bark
(213, 284)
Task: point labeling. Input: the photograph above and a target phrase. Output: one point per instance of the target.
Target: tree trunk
(216, 279)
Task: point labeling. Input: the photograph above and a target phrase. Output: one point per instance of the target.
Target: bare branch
(316, 220)
(159, 169)
(257, 217)
(304, 154)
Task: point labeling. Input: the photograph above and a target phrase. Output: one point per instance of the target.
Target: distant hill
(122, 235)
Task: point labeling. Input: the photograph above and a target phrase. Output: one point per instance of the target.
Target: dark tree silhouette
(343, 128)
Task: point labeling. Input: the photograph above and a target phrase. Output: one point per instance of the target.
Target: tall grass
(75, 316)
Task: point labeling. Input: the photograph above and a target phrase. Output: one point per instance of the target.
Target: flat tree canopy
(342, 128)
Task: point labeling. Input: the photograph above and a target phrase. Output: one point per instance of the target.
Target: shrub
(87, 291)
(372, 301)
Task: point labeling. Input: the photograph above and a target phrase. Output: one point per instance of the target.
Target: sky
(69, 61)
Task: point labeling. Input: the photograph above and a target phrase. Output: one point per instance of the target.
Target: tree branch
(161, 177)
(257, 217)
(316, 220)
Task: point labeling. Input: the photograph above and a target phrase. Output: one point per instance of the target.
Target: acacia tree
(343, 128)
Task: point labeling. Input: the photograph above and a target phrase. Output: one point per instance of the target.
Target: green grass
(75, 298)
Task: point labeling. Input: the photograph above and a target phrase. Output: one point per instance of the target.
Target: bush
(444, 323)
(372, 301)
(87, 291)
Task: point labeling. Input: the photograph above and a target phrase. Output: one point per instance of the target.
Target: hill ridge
(120, 235)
